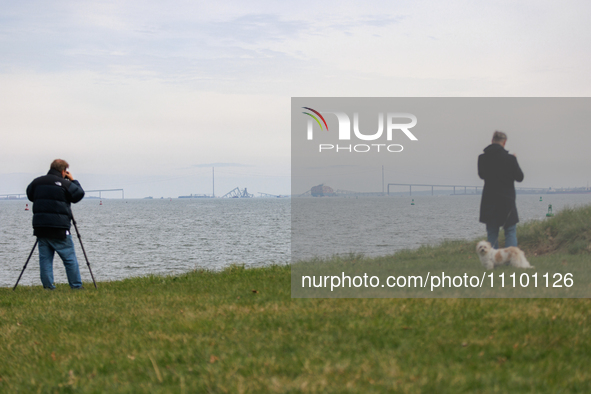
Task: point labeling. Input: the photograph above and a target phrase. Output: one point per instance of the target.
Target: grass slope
(240, 331)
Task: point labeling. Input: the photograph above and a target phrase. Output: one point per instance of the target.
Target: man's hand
(68, 175)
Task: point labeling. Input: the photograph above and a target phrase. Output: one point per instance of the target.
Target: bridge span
(465, 187)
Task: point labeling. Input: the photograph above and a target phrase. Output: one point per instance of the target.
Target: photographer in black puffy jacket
(52, 195)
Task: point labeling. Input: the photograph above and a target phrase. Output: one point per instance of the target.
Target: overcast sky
(149, 95)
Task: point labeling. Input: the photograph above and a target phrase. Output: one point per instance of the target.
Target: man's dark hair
(59, 165)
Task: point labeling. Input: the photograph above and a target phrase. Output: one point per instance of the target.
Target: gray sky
(148, 95)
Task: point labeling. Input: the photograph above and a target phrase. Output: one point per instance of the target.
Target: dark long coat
(500, 170)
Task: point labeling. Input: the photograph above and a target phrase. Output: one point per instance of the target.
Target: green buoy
(413, 202)
(540, 198)
(549, 214)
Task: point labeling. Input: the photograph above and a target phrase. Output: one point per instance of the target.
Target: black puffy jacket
(51, 196)
(499, 170)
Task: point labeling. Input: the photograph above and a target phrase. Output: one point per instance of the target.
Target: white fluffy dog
(491, 258)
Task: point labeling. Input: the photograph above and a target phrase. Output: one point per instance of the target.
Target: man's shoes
(49, 288)
(78, 288)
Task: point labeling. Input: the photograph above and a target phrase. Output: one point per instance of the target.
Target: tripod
(84, 251)
(23, 271)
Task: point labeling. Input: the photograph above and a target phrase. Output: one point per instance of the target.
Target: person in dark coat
(52, 195)
(500, 170)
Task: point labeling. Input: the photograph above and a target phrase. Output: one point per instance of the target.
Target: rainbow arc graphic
(315, 118)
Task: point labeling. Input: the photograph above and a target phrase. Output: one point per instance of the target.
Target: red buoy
(101, 203)
(26, 207)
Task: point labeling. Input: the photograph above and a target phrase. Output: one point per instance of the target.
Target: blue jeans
(510, 235)
(65, 249)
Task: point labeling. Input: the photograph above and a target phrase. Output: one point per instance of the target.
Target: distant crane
(237, 193)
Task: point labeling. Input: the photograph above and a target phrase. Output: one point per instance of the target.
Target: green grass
(568, 232)
(239, 330)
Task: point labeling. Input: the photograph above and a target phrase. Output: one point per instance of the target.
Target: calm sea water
(383, 225)
(125, 238)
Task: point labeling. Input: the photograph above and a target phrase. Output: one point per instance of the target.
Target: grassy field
(240, 331)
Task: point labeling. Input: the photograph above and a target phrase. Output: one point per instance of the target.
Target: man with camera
(52, 195)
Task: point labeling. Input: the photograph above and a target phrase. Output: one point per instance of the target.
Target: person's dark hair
(59, 165)
(499, 136)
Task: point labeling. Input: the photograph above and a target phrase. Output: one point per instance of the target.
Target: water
(380, 226)
(125, 238)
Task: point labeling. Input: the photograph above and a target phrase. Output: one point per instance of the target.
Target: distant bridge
(107, 190)
(410, 185)
(272, 195)
(18, 196)
(237, 193)
(13, 196)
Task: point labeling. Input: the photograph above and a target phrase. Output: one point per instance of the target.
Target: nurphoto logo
(344, 131)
